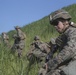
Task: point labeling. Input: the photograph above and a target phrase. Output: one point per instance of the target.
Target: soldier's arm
(51, 53)
(7, 37)
(21, 35)
(66, 53)
(32, 47)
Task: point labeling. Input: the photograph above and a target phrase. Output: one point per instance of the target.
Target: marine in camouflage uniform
(53, 49)
(19, 41)
(5, 38)
(38, 49)
(60, 19)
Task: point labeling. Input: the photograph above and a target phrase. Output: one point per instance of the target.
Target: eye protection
(55, 23)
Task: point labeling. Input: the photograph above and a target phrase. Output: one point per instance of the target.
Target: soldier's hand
(46, 66)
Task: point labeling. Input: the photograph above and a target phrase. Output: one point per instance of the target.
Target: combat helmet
(59, 14)
(36, 38)
(3, 33)
(17, 27)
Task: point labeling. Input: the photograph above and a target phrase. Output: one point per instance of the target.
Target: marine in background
(50, 55)
(38, 49)
(19, 41)
(5, 39)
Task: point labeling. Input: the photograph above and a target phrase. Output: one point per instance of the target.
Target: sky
(23, 12)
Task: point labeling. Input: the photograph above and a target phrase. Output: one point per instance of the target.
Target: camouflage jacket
(68, 50)
(43, 47)
(21, 35)
(5, 37)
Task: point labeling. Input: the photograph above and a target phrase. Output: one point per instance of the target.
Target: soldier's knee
(42, 71)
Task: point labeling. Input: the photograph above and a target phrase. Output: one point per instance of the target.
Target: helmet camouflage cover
(59, 14)
(3, 33)
(36, 38)
(17, 27)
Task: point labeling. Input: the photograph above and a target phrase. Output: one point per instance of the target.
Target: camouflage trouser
(42, 71)
(70, 69)
(39, 54)
(19, 48)
(55, 72)
(19, 52)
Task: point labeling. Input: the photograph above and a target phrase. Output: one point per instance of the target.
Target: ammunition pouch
(61, 41)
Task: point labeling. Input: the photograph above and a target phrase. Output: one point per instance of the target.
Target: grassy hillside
(12, 65)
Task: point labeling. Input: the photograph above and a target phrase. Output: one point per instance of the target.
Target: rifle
(50, 54)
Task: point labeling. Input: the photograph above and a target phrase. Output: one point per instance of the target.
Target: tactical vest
(61, 41)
